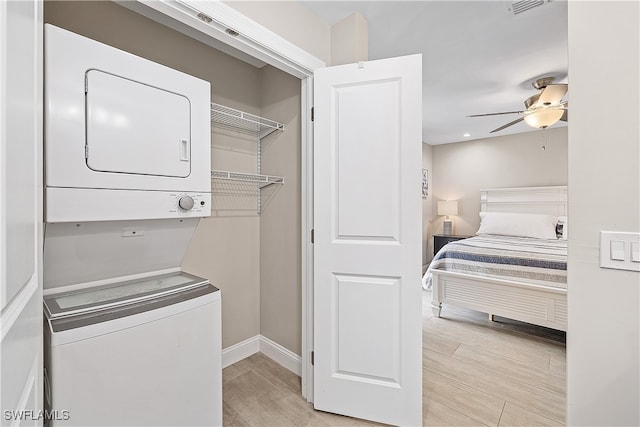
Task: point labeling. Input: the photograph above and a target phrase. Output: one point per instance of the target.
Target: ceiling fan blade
(565, 116)
(496, 114)
(552, 94)
(518, 120)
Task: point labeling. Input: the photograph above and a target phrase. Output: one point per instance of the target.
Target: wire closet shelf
(260, 127)
(261, 180)
(230, 117)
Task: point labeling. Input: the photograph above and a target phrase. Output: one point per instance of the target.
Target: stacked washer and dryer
(130, 339)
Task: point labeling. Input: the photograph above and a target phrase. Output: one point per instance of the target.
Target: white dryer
(125, 138)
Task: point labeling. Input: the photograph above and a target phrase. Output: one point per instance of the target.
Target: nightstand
(439, 240)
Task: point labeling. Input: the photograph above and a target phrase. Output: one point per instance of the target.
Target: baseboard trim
(241, 350)
(274, 351)
(281, 355)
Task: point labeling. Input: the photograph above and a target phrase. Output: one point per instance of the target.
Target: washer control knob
(186, 203)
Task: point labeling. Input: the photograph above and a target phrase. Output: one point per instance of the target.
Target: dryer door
(135, 128)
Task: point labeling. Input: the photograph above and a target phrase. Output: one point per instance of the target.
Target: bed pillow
(518, 224)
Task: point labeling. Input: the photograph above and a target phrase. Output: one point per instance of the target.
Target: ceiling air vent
(519, 6)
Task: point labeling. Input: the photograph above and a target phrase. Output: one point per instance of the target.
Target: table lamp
(448, 207)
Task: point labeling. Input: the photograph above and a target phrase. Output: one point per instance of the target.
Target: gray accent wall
(460, 170)
(280, 235)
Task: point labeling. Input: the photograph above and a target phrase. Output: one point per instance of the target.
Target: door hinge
(86, 84)
(86, 152)
(313, 235)
(313, 109)
(312, 359)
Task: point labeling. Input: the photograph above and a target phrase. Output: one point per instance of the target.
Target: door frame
(260, 43)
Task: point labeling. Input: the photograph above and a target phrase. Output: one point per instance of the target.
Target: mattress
(520, 259)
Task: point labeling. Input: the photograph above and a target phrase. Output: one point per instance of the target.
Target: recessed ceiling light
(466, 134)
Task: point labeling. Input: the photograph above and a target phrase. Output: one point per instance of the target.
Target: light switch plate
(618, 250)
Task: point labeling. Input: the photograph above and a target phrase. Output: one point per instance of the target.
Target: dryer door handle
(184, 150)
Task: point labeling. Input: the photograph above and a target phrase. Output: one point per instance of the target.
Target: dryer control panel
(192, 203)
(80, 204)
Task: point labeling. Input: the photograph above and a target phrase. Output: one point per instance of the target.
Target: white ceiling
(478, 57)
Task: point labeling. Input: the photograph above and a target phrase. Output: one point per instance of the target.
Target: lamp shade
(448, 207)
(542, 118)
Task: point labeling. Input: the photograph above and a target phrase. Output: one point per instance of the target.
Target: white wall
(428, 213)
(291, 21)
(460, 170)
(350, 40)
(604, 194)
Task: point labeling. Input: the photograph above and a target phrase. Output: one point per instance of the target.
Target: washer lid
(118, 294)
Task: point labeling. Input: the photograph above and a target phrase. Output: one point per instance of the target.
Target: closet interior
(250, 247)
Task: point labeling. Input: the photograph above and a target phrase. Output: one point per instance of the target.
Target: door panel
(367, 253)
(382, 312)
(21, 361)
(19, 149)
(20, 212)
(368, 199)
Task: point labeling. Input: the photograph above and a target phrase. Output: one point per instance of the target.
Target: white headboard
(538, 200)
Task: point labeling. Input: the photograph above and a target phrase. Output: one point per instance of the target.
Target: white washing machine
(140, 353)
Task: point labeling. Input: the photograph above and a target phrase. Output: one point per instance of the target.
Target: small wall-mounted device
(620, 250)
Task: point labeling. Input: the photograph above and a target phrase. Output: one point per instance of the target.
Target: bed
(513, 276)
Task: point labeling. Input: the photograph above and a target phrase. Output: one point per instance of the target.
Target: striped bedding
(521, 259)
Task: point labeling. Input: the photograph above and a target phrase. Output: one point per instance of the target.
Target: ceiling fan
(543, 109)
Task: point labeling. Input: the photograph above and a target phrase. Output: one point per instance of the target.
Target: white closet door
(367, 253)
(20, 212)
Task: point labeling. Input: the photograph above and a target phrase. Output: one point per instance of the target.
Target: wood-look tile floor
(475, 373)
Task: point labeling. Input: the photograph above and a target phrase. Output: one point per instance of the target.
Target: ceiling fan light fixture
(542, 118)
